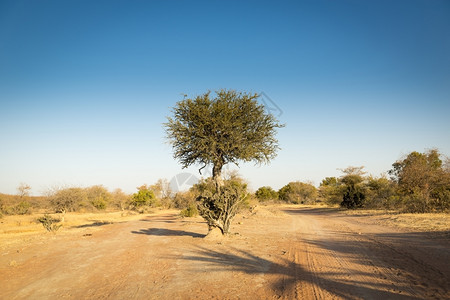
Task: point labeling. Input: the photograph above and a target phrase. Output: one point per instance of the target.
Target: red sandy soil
(273, 253)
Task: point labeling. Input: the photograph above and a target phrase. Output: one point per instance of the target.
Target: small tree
(380, 192)
(23, 207)
(423, 181)
(229, 128)
(298, 192)
(23, 190)
(143, 198)
(330, 190)
(67, 199)
(163, 192)
(98, 196)
(354, 194)
(119, 199)
(266, 193)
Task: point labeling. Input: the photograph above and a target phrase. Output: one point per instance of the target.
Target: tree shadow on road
(291, 275)
(94, 224)
(168, 232)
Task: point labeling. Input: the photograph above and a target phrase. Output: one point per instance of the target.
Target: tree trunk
(217, 176)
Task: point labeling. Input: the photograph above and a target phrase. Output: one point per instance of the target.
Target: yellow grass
(416, 222)
(16, 229)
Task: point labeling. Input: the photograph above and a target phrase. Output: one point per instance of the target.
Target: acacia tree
(423, 181)
(231, 127)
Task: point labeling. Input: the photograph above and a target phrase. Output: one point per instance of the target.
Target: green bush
(98, 196)
(99, 203)
(298, 192)
(144, 197)
(266, 193)
(353, 197)
(189, 212)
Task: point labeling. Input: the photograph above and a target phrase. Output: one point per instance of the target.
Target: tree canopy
(228, 128)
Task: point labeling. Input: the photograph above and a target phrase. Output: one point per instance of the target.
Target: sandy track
(303, 253)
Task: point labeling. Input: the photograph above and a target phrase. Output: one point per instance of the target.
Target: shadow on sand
(168, 232)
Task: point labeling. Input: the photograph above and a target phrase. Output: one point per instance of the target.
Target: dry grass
(417, 222)
(22, 228)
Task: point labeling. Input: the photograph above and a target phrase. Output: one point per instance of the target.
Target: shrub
(49, 223)
(99, 203)
(219, 207)
(331, 191)
(190, 211)
(22, 208)
(266, 193)
(183, 200)
(144, 197)
(353, 197)
(67, 200)
(119, 199)
(380, 193)
(298, 192)
(98, 196)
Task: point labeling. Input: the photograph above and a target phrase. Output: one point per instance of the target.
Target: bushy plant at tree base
(230, 128)
(219, 208)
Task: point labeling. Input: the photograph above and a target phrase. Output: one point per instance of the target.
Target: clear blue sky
(86, 85)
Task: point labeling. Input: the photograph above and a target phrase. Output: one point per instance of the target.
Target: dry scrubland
(19, 228)
(273, 251)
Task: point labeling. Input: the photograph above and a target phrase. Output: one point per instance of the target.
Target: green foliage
(22, 208)
(353, 197)
(331, 191)
(354, 191)
(380, 193)
(190, 211)
(298, 192)
(219, 207)
(423, 182)
(144, 197)
(49, 223)
(266, 193)
(229, 128)
(98, 196)
(417, 171)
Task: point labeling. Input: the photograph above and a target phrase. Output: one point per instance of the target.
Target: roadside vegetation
(417, 183)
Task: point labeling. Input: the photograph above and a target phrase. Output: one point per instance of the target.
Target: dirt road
(287, 253)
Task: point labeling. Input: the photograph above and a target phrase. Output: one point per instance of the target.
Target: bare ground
(284, 252)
